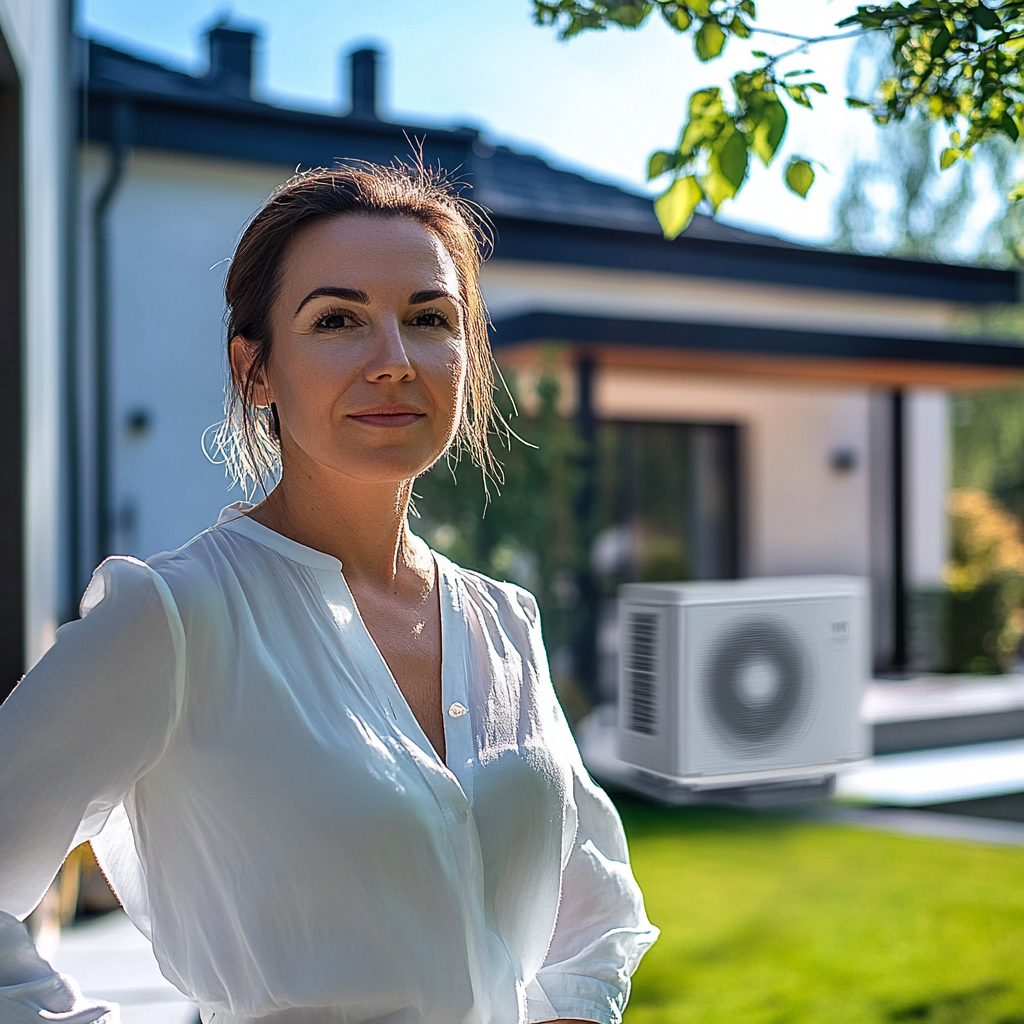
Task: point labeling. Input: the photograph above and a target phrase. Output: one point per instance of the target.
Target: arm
(601, 931)
(79, 730)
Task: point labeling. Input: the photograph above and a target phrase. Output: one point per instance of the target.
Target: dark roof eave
(627, 333)
(614, 248)
(219, 105)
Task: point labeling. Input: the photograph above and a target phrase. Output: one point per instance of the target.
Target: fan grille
(757, 686)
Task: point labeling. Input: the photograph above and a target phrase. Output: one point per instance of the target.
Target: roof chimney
(231, 53)
(363, 70)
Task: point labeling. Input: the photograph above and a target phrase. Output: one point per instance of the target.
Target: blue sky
(599, 103)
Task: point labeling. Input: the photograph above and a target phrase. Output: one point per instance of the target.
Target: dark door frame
(12, 439)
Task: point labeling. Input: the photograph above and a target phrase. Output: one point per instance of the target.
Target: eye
(431, 318)
(335, 320)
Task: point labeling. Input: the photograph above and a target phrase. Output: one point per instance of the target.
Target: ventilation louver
(641, 671)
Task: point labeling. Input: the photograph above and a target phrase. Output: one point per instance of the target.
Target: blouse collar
(233, 518)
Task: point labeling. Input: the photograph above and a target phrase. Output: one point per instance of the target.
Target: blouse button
(457, 710)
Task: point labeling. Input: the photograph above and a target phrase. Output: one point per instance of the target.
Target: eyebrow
(429, 296)
(356, 295)
(348, 294)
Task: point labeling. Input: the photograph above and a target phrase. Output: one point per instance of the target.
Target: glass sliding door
(668, 509)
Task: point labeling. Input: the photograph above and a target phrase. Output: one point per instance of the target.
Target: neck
(362, 524)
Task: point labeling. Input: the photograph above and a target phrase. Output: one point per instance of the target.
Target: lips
(394, 416)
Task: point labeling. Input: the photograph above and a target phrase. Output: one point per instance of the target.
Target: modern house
(803, 391)
(798, 395)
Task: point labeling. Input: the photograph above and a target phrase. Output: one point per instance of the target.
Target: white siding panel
(175, 222)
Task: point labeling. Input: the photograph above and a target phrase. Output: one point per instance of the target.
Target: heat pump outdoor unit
(733, 683)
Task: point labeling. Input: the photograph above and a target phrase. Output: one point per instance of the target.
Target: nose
(388, 360)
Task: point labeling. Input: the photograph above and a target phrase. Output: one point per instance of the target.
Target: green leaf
(678, 17)
(717, 187)
(748, 8)
(799, 176)
(709, 40)
(660, 163)
(675, 207)
(705, 102)
(769, 130)
(739, 28)
(986, 18)
(949, 157)
(1016, 194)
(733, 159)
(940, 43)
(630, 13)
(798, 94)
(856, 104)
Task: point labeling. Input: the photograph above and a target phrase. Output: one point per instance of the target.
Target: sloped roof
(521, 185)
(542, 213)
(505, 181)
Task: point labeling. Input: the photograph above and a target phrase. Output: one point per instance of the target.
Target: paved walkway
(111, 960)
(925, 777)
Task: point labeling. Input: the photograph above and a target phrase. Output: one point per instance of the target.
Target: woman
(327, 796)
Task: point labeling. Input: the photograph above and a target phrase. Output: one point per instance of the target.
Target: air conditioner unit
(732, 683)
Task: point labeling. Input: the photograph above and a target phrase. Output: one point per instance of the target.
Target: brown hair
(247, 440)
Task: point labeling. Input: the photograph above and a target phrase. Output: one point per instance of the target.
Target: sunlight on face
(368, 362)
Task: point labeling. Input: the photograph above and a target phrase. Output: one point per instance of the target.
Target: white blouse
(222, 726)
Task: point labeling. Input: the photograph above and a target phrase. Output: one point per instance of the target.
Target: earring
(277, 420)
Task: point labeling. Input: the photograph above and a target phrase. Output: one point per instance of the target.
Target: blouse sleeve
(78, 731)
(602, 930)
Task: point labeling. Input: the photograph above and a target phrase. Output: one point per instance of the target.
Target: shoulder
(129, 589)
(198, 575)
(127, 612)
(501, 596)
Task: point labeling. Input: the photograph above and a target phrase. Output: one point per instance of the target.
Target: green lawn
(769, 920)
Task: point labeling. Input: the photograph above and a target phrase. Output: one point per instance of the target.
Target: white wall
(38, 34)
(174, 224)
(801, 515)
(927, 484)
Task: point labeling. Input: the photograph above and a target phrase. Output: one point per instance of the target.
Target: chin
(385, 467)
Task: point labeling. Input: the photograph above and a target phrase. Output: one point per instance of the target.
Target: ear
(242, 355)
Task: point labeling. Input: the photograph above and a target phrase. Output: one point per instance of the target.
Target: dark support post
(899, 530)
(586, 424)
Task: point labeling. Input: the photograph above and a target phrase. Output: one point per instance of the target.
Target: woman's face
(367, 366)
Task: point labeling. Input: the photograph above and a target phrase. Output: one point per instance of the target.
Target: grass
(769, 920)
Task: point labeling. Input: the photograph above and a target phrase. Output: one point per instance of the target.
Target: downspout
(101, 325)
(72, 398)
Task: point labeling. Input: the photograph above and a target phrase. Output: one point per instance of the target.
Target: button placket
(458, 722)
